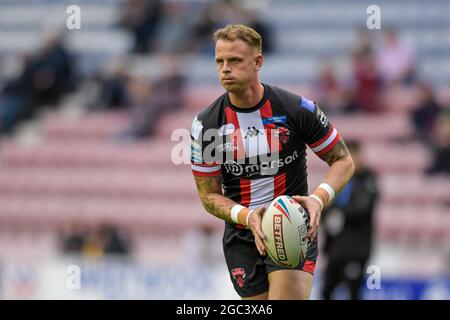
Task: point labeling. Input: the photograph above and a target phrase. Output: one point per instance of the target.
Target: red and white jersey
(260, 152)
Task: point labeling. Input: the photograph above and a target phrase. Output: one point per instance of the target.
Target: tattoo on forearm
(210, 192)
(339, 151)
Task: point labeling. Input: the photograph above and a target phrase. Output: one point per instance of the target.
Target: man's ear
(258, 62)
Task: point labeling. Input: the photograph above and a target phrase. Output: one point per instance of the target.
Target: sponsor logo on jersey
(234, 168)
(307, 104)
(196, 128)
(263, 168)
(282, 134)
(278, 237)
(252, 132)
(275, 119)
(196, 151)
(238, 275)
(227, 147)
(226, 129)
(322, 118)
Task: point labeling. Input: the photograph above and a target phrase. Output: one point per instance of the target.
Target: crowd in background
(167, 27)
(41, 79)
(94, 242)
(382, 66)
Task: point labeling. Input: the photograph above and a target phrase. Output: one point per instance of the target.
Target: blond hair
(239, 31)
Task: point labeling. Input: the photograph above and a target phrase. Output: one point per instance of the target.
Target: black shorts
(248, 269)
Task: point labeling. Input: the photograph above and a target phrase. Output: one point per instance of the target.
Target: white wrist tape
(329, 190)
(248, 216)
(235, 211)
(318, 199)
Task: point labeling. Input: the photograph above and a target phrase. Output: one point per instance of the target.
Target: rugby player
(257, 152)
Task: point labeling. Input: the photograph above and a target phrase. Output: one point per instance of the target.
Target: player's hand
(314, 210)
(254, 223)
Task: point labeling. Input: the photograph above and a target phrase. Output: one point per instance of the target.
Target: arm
(213, 200)
(340, 172)
(210, 192)
(341, 166)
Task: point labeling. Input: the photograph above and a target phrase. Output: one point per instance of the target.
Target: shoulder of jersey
(286, 99)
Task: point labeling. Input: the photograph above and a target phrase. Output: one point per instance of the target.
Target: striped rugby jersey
(260, 152)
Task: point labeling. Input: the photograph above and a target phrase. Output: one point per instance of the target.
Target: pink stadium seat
(386, 157)
(179, 120)
(141, 214)
(198, 98)
(412, 224)
(95, 125)
(414, 188)
(86, 182)
(400, 99)
(373, 127)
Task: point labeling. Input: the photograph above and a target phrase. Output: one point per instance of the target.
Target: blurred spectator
(173, 33)
(2, 77)
(201, 33)
(424, 116)
(112, 91)
(74, 239)
(444, 96)
(229, 12)
(332, 96)
(96, 242)
(93, 246)
(364, 41)
(114, 243)
(150, 102)
(441, 145)
(253, 21)
(142, 18)
(45, 77)
(16, 100)
(395, 59)
(366, 83)
(219, 14)
(54, 74)
(348, 226)
(200, 244)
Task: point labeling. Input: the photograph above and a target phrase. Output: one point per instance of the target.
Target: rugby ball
(285, 224)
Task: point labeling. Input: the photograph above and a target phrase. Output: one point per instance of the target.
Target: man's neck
(248, 98)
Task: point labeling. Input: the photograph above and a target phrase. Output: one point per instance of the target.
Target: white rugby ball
(285, 224)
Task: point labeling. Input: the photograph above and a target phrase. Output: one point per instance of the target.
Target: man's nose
(226, 67)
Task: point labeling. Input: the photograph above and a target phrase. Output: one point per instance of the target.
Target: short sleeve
(200, 166)
(318, 132)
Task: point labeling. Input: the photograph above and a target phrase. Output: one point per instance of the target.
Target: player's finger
(312, 232)
(260, 211)
(300, 199)
(260, 233)
(303, 202)
(259, 245)
(258, 230)
(312, 217)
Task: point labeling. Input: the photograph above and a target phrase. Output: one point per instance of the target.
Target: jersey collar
(252, 109)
